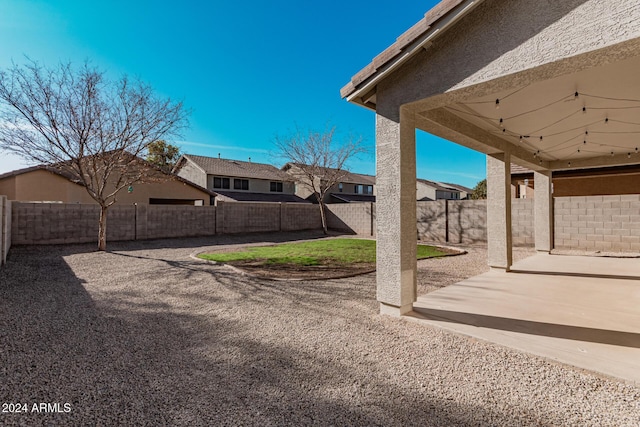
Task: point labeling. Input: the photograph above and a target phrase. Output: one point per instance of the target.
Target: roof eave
(361, 90)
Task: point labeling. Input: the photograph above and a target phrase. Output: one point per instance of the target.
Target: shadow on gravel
(143, 356)
(185, 242)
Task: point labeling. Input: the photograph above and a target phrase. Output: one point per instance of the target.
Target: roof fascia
(422, 42)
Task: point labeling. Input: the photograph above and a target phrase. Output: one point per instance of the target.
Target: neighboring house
(352, 187)
(581, 182)
(48, 184)
(429, 190)
(465, 192)
(235, 180)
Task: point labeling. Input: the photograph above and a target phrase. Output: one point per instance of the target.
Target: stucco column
(396, 212)
(499, 210)
(543, 211)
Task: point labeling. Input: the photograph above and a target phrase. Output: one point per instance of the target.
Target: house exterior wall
(8, 187)
(600, 185)
(425, 192)
(501, 38)
(191, 172)
(44, 186)
(255, 185)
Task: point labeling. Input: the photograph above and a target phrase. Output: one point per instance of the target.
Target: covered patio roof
(548, 87)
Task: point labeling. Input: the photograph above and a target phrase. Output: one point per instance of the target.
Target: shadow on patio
(582, 311)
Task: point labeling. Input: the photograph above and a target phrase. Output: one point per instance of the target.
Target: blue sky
(249, 70)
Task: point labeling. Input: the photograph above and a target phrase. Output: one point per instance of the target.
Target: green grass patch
(318, 252)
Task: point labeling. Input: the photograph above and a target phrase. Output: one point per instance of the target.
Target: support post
(499, 237)
(396, 211)
(543, 211)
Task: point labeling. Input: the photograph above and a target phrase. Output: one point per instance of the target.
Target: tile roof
(349, 177)
(401, 44)
(238, 168)
(436, 185)
(65, 174)
(457, 187)
(241, 196)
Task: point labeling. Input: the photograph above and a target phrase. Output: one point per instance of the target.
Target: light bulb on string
(497, 104)
(606, 121)
(584, 110)
(501, 123)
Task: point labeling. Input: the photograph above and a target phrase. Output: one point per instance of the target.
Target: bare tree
(88, 127)
(317, 161)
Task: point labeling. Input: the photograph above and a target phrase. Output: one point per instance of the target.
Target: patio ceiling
(584, 119)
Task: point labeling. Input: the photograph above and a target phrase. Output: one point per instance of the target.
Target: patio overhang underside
(584, 119)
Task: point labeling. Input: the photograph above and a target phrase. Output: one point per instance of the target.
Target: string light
(566, 145)
(628, 155)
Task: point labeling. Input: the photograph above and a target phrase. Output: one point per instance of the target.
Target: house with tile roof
(236, 180)
(430, 190)
(351, 187)
(47, 183)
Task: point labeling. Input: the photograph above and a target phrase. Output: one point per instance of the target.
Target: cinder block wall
(432, 220)
(467, 221)
(178, 221)
(5, 228)
(358, 218)
(606, 223)
(522, 222)
(299, 216)
(248, 217)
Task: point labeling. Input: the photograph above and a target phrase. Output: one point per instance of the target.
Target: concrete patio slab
(579, 310)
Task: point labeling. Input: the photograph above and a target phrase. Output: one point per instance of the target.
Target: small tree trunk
(102, 229)
(323, 215)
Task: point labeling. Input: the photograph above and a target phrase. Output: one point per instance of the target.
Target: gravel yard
(146, 335)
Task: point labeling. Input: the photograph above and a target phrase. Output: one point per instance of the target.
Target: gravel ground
(145, 335)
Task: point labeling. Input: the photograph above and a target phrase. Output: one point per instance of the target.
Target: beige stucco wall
(8, 187)
(41, 185)
(601, 185)
(191, 172)
(423, 190)
(505, 37)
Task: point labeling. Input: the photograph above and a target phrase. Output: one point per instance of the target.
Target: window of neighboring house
(276, 186)
(240, 184)
(358, 189)
(340, 187)
(364, 189)
(219, 182)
